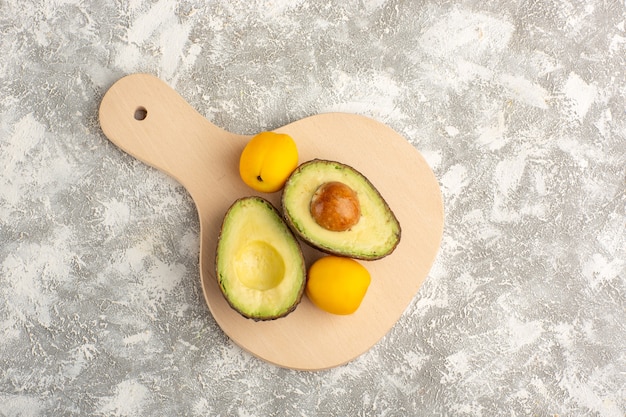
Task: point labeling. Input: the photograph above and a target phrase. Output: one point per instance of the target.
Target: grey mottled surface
(518, 106)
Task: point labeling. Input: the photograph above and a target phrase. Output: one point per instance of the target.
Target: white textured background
(518, 106)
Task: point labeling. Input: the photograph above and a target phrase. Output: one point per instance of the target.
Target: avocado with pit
(336, 209)
(259, 263)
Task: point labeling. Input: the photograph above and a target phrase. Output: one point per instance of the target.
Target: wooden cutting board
(149, 120)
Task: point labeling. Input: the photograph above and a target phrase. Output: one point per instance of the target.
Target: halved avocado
(366, 228)
(259, 264)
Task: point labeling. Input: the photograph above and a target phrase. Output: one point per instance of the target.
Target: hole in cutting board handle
(141, 113)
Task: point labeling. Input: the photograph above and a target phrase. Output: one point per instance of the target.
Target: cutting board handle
(149, 120)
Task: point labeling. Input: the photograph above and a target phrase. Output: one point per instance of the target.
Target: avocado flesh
(259, 264)
(374, 236)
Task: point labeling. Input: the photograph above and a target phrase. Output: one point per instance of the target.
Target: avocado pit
(335, 206)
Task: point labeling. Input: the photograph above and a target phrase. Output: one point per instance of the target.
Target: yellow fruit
(267, 161)
(337, 285)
